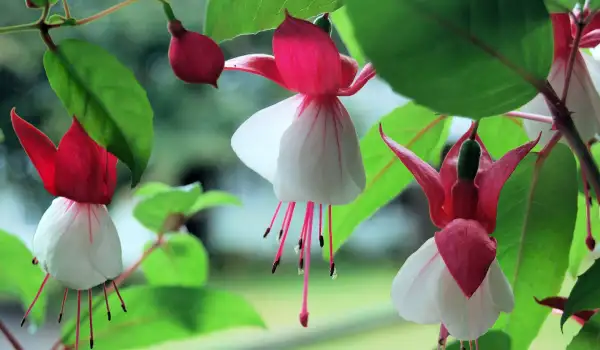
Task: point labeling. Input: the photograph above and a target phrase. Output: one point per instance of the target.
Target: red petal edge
(85, 172)
(493, 179)
(558, 303)
(259, 64)
(40, 150)
(349, 69)
(367, 73)
(468, 251)
(306, 57)
(426, 176)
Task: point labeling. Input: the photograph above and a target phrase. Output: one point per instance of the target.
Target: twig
(127, 273)
(66, 7)
(10, 337)
(108, 11)
(572, 56)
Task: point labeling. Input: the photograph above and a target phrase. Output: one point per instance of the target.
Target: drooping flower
(582, 98)
(194, 58)
(76, 242)
(558, 307)
(454, 278)
(306, 145)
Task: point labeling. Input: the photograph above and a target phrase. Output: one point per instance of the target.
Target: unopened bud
(194, 58)
(324, 23)
(468, 160)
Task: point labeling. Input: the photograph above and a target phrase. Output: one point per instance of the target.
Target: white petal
(319, 157)
(414, 290)
(63, 244)
(466, 319)
(256, 142)
(106, 252)
(582, 99)
(500, 288)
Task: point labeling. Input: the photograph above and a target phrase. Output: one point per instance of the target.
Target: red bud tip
(304, 319)
(194, 58)
(31, 5)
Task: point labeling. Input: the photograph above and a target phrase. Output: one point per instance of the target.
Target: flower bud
(468, 160)
(324, 23)
(194, 58)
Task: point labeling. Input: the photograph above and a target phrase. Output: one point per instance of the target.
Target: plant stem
(530, 116)
(19, 28)
(10, 337)
(66, 7)
(106, 12)
(572, 56)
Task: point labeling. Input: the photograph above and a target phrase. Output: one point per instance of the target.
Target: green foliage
(588, 337)
(226, 19)
(413, 126)
(566, 5)
(579, 249)
(157, 314)
(20, 278)
(154, 210)
(180, 261)
(162, 201)
(106, 98)
(492, 340)
(346, 31)
(585, 295)
(534, 232)
(501, 134)
(457, 57)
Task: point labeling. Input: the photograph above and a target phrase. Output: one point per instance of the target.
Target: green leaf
(159, 314)
(20, 278)
(565, 5)
(459, 57)
(106, 98)
(536, 218)
(346, 31)
(492, 340)
(579, 249)
(411, 125)
(153, 211)
(585, 294)
(226, 19)
(501, 134)
(180, 261)
(152, 188)
(212, 199)
(55, 19)
(588, 337)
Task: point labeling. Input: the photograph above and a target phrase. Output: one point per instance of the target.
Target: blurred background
(193, 126)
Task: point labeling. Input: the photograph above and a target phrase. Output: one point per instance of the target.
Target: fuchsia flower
(558, 306)
(306, 145)
(194, 58)
(76, 241)
(582, 95)
(454, 278)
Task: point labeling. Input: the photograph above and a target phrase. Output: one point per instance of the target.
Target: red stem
(10, 337)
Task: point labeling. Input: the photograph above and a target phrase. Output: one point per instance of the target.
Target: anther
(280, 235)
(321, 241)
(35, 261)
(275, 264)
(267, 232)
(332, 270)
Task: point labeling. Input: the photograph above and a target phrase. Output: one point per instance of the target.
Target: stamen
(62, 305)
(78, 319)
(303, 237)
(332, 270)
(321, 240)
(90, 312)
(307, 227)
(272, 220)
(287, 220)
(476, 344)
(106, 301)
(37, 295)
(590, 242)
(470, 345)
(119, 295)
(35, 261)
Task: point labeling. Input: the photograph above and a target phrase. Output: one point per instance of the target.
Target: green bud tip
(468, 160)
(324, 23)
